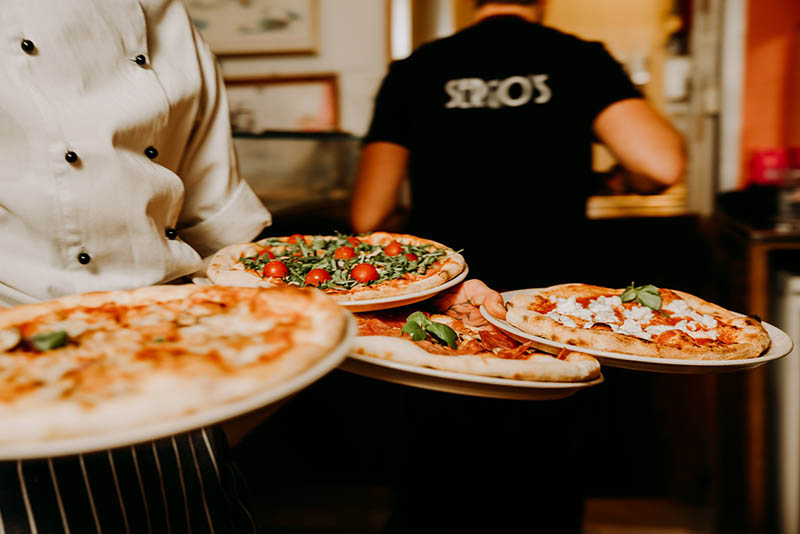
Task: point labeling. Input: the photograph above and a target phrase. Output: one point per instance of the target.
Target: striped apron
(180, 484)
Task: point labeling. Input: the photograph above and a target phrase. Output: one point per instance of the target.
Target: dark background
(330, 458)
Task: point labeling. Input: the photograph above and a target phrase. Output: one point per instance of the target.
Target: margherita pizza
(89, 364)
(452, 345)
(643, 321)
(348, 268)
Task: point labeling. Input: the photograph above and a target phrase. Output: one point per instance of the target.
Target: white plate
(118, 438)
(384, 303)
(781, 346)
(459, 383)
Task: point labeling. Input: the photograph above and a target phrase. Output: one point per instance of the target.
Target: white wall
(733, 53)
(353, 43)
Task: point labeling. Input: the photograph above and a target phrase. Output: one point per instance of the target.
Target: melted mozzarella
(631, 328)
(231, 325)
(571, 307)
(74, 326)
(566, 320)
(239, 357)
(602, 310)
(639, 314)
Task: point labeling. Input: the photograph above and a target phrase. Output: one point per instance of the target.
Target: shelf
(671, 203)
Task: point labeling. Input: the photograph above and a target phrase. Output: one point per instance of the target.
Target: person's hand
(463, 301)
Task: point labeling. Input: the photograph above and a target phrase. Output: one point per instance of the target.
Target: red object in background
(769, 166)
(793, 174)
(794, 158)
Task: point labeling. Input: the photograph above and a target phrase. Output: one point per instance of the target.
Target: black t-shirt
(498, 121)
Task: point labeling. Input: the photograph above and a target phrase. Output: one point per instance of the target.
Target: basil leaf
(49, 340)
(649, 288)
(414, 331)
(418, 318)
(629, 294)
(443, 333)
(650, 300)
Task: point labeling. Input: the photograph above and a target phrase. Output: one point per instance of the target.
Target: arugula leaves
(300, 258)
(49, 341)
(645, 295)
(418, 326)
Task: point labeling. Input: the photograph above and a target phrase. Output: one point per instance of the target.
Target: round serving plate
(460, 383)
(177, 425)
(781, 345)
(383, 303)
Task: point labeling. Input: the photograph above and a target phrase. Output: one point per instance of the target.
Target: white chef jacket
(117, 168)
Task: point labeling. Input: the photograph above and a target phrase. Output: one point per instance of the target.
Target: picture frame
(247, 27)
(296, 103)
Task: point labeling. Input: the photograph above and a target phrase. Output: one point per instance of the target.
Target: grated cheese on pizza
(638, 320)
(631, 318)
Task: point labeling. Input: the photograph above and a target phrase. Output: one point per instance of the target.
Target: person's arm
(384, 158)
(381, 170)
(649, 148)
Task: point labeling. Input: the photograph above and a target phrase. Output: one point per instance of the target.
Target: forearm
(380, 173)
(644, 184)
(621, 181)
(645, 143)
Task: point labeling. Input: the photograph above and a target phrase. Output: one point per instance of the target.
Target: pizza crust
(576, 367)
(751, 338)
(120, 391)
(226, 269)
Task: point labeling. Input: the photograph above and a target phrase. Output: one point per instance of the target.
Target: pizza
(638, 320)
(453, 345)
(349, 268)
(92, 363)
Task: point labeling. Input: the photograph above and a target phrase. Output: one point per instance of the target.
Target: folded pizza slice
(445, 343)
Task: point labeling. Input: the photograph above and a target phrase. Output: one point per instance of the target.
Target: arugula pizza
(443, 342)
(639, 320)
(349, 268)
(89, 364)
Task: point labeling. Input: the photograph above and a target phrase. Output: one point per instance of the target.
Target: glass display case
(300, 173)
(304, 179)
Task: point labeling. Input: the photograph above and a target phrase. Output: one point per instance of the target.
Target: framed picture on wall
(307, 103)
(239, 27)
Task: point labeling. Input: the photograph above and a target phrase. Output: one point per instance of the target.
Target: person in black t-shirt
(494, 126)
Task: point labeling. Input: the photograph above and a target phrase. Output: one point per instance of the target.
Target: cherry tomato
(295, 237)
(316, 276)
(393, 249)
(344, 253)
(266, 252)
(364, 272)
(354, 241)
(275, 268)
(412, 257)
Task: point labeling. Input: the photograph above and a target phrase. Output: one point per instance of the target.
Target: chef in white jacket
(117, 171)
